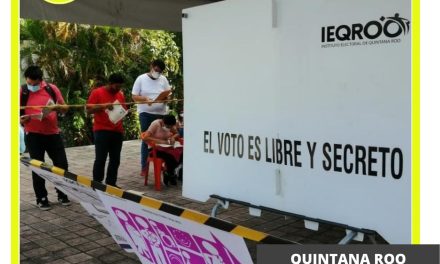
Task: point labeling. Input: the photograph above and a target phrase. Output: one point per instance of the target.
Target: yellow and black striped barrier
(188, 214)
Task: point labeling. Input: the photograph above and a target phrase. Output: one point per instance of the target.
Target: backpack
(25, 96)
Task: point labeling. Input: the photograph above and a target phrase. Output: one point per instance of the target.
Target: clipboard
(44, 112)
(163, 95)
(117, 113)
(38, 116)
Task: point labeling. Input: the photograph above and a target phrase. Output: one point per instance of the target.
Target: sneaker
(144, 172)
(64, 201)
(43, 204)
(169, 177)
(173, 180)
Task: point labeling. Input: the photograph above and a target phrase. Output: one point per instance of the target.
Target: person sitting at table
(163, 134)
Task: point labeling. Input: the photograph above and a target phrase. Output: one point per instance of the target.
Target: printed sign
(302, 106)
(102, 216)
(158, 237)
(73, 189)
(88, 199)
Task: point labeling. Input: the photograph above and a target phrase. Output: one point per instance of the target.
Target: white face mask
(155, 74)
(166, 129)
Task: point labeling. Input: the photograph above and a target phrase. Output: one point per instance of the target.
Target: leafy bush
(77, 58)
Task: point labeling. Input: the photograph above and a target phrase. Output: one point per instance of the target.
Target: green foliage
(77, 58)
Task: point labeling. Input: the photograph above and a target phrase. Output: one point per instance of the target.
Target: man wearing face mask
(146, 89)
(108, 136)
(41, 129)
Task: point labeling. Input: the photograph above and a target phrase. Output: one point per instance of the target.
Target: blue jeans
(146, 119)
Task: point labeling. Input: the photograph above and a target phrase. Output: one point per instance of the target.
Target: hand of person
(109, 106)
(171, 141)
(24, 119)
(148, 101)
(103, 107)
(47, 110)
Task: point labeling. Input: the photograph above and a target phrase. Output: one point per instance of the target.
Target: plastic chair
(158, 166)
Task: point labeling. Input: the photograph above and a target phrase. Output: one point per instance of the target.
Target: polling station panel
(302, 106)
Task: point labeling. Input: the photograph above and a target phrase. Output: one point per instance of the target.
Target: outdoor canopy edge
(146, 14)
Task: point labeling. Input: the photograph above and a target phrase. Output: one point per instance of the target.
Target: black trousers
(107, 143)
(38, 144)
(170, 162)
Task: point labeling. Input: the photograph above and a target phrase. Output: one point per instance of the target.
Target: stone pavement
(70, 235)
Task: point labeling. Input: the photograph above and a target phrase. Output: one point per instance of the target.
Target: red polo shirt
(101, 95)
(49, 124)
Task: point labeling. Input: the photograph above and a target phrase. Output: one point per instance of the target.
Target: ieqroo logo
(390, 27)
(59, 2)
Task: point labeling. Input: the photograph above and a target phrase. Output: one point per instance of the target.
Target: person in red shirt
(108, 134)
(41, 129)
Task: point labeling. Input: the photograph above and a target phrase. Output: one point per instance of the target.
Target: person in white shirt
(146, 88)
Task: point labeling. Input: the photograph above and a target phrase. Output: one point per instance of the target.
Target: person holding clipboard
(42, 134)
(149, 89)
(107, 104)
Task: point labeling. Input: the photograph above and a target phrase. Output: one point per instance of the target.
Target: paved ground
(70, 235)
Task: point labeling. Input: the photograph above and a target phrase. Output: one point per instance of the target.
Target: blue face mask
(33, 88)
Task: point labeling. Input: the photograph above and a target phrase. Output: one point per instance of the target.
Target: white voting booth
(303, 107)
